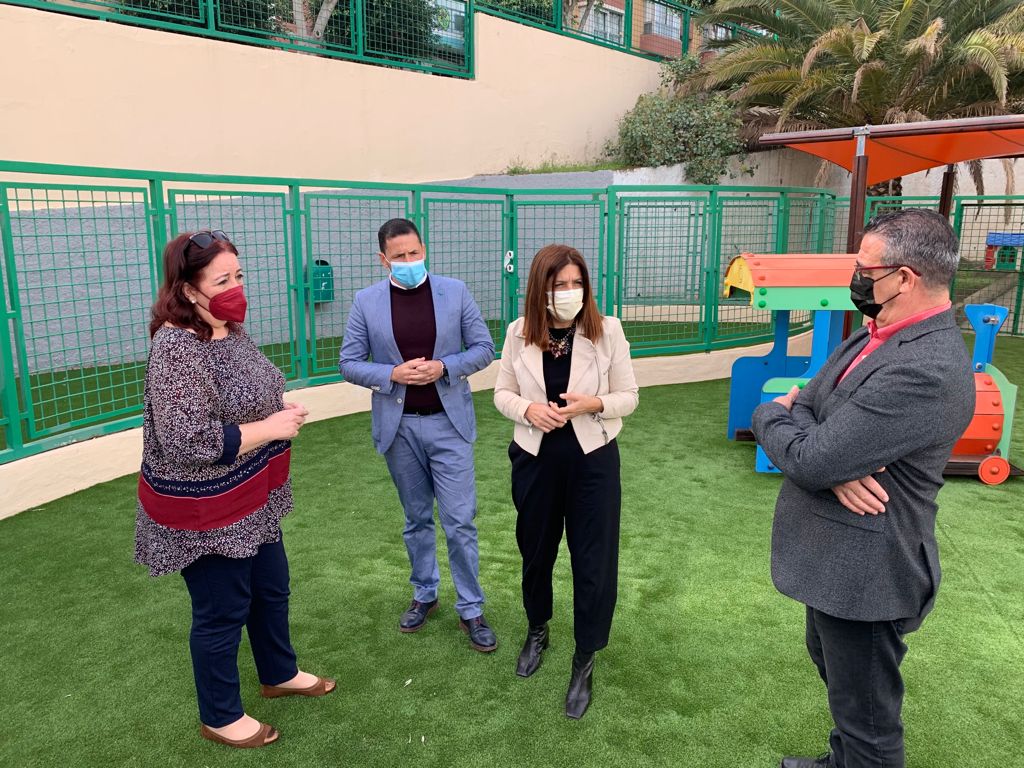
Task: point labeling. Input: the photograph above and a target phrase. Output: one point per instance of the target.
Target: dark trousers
(860, 664)
(227, 594)
(562, 486)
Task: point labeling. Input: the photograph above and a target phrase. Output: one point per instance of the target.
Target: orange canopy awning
(897, 150)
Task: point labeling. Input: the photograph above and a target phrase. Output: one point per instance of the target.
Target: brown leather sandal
(267, 734)
(321, 687)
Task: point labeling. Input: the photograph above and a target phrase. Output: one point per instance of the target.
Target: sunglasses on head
(207, 238)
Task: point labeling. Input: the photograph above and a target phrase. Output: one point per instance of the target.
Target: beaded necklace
(560, 347)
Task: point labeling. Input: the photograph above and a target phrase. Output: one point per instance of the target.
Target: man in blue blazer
(862, 448)
(413, 339)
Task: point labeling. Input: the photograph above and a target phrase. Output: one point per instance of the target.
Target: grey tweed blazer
(901, 408)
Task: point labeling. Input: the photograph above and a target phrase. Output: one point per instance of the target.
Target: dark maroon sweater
(412, 320)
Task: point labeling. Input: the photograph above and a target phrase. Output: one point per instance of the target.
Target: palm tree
(836, 63)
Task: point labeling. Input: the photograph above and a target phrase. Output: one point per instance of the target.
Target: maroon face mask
(229, 306)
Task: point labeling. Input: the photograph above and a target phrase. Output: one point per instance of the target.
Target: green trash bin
(323, 281)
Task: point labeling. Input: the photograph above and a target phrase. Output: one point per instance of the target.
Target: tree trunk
(299, 17)
(891, 188)
(323, 17)
(586, 14)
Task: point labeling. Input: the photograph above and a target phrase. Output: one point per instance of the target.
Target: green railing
(80, 255)
(81, 265)
(652, 28)
(988, 273)
(426, 35)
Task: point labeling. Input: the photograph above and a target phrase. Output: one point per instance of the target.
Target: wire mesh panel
(426, 32)
(577, 223)
(80, 270)
(541, 12)
(188, 12)
(876, 206)
(747, 225)
(661, 281)
(837, 221)
(466, 240)
(313, 23)
(341, 236)
(8, 385)
(807, 230)
(604, 21)
(991, 270)
(255, 222)
(659, 28)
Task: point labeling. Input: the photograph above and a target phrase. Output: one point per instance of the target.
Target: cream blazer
(603, 369)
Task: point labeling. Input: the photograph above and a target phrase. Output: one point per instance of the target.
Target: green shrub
(700, 131)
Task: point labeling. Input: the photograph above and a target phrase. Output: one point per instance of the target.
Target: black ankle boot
(533, 650)
(581, 685)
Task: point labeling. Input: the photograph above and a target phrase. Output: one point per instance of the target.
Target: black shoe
(807, 762)
(581, 685)
(533, 650)
(414, 618)
(481, 636)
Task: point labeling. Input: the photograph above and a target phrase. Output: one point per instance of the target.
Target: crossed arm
(888, 417)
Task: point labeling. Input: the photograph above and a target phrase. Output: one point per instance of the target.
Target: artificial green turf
(706, 665)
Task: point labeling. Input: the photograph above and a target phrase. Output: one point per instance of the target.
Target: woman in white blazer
(566, 380)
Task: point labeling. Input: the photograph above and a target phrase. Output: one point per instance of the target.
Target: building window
(604, 24)
(449, 22)
(662, 21)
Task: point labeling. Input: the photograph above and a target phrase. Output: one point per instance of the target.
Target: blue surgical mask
(409, 274)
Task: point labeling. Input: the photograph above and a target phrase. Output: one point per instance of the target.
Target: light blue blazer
(369, 353)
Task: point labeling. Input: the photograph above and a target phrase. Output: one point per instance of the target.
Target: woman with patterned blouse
(214, 483)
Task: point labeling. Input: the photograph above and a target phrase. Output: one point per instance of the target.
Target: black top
(415, 329)
(556, 369)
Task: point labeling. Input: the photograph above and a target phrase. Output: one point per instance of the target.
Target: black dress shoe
(481, 636)
(533, 650)
(414, 618)
(807, 762)
(581, 685)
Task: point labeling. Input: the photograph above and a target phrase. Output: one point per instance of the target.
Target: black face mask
(862, 293)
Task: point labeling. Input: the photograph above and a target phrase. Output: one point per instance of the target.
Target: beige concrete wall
(86, 92)
(37, 480)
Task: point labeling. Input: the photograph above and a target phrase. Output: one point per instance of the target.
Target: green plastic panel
(808, 299)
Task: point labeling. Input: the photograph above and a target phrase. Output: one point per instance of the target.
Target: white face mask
(565, 305)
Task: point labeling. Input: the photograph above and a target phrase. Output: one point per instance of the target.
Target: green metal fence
(425, 35)
(652, 28)
(80, 256)
(988, 273)
(81, 251)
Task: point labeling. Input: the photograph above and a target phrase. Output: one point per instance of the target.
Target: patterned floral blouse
(197, 494)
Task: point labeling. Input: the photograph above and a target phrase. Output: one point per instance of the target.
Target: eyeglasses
(207, 238)
(894, 267)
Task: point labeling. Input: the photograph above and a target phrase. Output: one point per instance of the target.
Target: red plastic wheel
(994, 470)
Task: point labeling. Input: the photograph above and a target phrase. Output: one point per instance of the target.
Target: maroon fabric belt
(198, 507)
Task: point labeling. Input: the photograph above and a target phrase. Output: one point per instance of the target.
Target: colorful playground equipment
(820, 283)
(784, 283)
(985, 446)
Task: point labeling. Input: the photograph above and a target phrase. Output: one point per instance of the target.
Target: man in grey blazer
(413, 339)
(862, 448)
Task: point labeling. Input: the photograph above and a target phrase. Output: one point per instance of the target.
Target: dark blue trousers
(227, 594)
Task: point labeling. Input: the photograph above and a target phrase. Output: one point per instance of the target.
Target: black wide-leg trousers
(560, 488)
